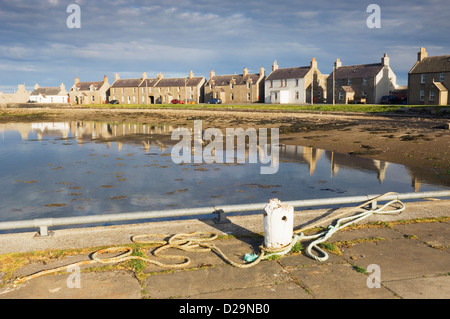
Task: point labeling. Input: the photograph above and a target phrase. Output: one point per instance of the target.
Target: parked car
(215, 101)
(113, 102)
(391, 99)
(176, 101)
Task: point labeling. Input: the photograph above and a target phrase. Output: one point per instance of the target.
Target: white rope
(199, 242)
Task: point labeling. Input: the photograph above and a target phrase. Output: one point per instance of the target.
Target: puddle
(88, 168)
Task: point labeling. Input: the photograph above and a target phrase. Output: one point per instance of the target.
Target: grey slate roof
(126, 83)
(85, 86)
(148, 83)
(46, 91)
(180, 82)
(357, 71)
(288, 73)
(224, 80)
(432, 64)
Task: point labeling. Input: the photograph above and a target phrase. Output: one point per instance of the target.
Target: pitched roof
(148, 83)
(432, 64)
(126, 83)
(440, 86)
(85, 86)
(47, 91)
(288, 73)
(239, 79)
(357, 71)
(174, 82)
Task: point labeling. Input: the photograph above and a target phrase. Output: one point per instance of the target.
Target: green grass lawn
(364, 108)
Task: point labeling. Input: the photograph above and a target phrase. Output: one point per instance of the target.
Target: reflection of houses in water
(312, 155)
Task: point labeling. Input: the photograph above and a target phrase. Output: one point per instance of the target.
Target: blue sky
(130, 37)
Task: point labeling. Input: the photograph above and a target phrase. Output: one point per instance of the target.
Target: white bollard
(278, 224)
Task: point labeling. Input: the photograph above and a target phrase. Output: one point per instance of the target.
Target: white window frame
(432, 95)
(422, 95)
(423, 78)
(442, 77)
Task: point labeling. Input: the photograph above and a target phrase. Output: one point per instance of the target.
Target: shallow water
(86, 168)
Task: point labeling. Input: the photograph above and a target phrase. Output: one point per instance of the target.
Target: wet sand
(420, 143)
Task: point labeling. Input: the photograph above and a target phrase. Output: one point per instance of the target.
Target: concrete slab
(338, 281)
(183, 284)
(94, 285)
(400, 258)
(435, 234)
(285, 290)
(421, 288)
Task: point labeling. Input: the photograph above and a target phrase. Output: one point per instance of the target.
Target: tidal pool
(86, 168)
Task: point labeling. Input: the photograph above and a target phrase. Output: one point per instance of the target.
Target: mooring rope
(201, 242)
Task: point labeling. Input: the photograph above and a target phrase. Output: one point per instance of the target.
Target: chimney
(422, 54)
(36, 86)
(385, 60)
(116, 77)
(212, 74)
(313, 63)
(144, 76)
(77, 80)
(191, 74)
(62, 86)
(160, 76)
(262, 72)
(337, 64)
(274, 66)
(105, 79)
(245, 72)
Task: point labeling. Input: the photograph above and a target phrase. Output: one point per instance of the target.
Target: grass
(362, 108)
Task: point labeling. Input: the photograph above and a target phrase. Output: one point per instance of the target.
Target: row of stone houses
(428, 83)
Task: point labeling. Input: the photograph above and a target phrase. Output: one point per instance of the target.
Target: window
(123, 90)
(349, 82)
(365, 81)
(248, 85)
(271, 83)
(431, 95)
(231, 96)
(143, 90)
(232, 86)
(134, 99)
(423, 78)
(93, 99)
(123, 99)
(276, 95)
(297, 95)
(442, 77)
(319, 94)
(296, 82)
(134, 90)
(249, 96)
(422, 95)
(341, 96)
(143, 99)
(149, 90)
(114, 90)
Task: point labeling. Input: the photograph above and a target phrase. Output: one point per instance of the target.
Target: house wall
(385, 83)
(415, 86)
(237, 94)
(286, 91)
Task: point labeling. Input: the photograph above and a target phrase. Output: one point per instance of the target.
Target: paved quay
(393, 260)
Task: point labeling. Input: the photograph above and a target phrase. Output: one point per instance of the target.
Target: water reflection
(79, 168)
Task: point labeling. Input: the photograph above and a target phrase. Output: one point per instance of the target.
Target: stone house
(237, 88)
(89, 92)
(49, 94)
(157, 90)
(429, 80)
(126, 91)
(295, 85)
(187, 89)
(366, 83)
(21, 95)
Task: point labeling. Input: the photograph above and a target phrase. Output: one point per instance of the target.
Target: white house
(295, 85)
(49, 94)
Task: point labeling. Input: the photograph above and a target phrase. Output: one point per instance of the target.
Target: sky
(130, 37)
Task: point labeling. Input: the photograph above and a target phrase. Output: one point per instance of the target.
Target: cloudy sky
(130, 37)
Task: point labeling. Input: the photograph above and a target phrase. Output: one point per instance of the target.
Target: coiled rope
(201, 242)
